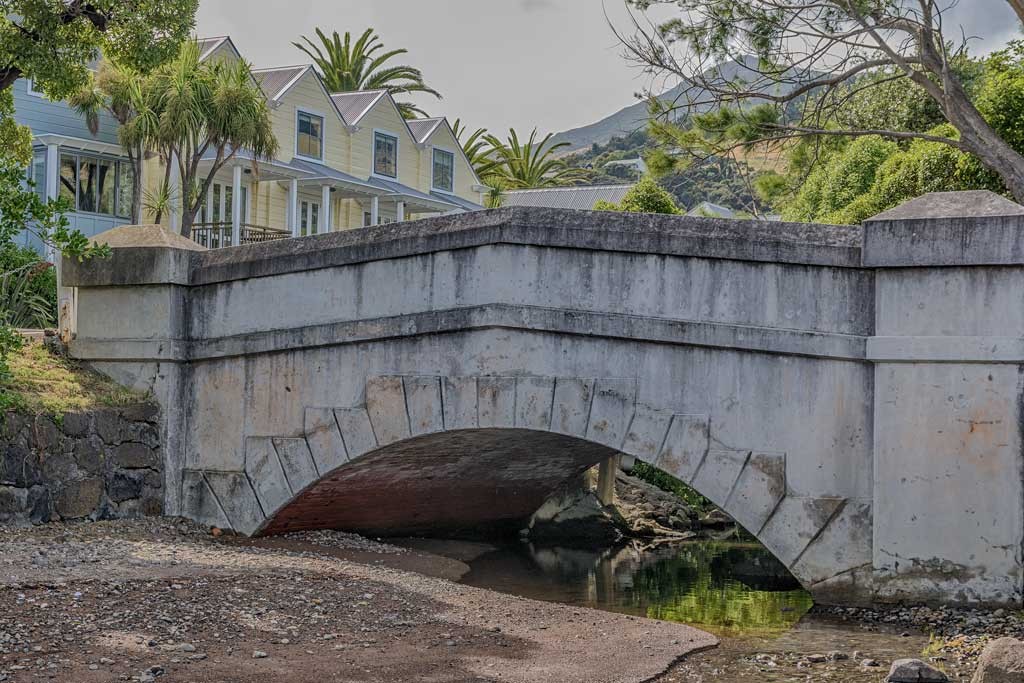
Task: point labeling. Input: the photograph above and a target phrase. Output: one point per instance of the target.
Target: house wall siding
(44, 116)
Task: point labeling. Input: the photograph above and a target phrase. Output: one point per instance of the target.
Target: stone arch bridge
(851, 395)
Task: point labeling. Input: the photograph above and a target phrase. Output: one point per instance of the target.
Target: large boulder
(1002, 661)
(914, 671)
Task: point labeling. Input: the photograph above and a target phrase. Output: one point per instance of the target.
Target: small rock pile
(649, 511)
(960, 634)
(344, 541)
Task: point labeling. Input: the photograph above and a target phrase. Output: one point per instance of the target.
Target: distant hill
(634, 117)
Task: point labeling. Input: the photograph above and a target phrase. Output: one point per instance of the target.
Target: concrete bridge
(851, 395)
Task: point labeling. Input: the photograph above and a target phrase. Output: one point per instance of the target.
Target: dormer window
(385, 155)
(444, 171)
(309, 141)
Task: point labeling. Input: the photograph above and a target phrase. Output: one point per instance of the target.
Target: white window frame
(373, 154)
(323, 135)
(30, 84)
(454, 155)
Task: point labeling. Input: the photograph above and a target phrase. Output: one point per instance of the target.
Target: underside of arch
(436, 454)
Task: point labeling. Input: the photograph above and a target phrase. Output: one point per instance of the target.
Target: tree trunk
(1018, 8)
(135, 157)
(981, 140)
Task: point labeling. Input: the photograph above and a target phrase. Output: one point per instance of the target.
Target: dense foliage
(644, 197)
(842, 180)
(191, 110)
(54, 41)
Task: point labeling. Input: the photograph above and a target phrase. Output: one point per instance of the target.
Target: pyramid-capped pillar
(140, 255)
(976, 227)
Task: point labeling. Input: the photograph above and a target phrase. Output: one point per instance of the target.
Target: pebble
(259, 654)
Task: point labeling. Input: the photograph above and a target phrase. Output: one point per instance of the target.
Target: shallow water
(739, 592)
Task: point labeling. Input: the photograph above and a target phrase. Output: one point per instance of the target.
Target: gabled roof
(276, 81)
(574, 197)
(710, 210)
(355, 105)
(207, 46)
(424, 128)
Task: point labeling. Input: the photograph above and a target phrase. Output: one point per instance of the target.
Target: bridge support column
(606, 479)
(949, 385)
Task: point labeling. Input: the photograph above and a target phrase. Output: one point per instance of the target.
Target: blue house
(90, 171)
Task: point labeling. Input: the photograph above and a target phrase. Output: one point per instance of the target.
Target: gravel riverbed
(163, 600)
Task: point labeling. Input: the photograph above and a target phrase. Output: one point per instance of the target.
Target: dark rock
(141, 412)
(152, 505)
(122, 486)
(12, 424)
(89, 456)
(76, 424)
(154, 480)
(57, 466)
(79, 499)
(914, 671)
(19, 466)
(13, 502)
(135, 456)
(1002, 661)
(40, 505)
(108, 426)
(44, 433)
(141, 432)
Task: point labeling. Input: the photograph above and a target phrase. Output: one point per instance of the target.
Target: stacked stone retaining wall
(100, 464)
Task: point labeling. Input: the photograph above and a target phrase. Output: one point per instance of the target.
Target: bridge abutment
(850, 395)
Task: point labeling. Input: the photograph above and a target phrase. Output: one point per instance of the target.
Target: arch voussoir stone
(236, 497)
(265, 472)
(459, 398)
(299, 469)
(385, 404)
(324, 439)
(611, 412)
(357, 432)
(758, 490)
(686, 444)
(795, 523)
(718, 473)
(496, 402)
(534, 396)
(424, 405)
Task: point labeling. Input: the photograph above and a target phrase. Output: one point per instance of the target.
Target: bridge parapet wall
(877, 367)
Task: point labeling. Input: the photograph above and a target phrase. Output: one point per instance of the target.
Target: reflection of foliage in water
(721, 586)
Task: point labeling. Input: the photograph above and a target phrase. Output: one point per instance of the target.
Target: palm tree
(118, 91)
(199, 110)
(348, 67)
(476, 148)
(530, 164)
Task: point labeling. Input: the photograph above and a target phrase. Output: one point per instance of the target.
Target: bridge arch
(512, 440)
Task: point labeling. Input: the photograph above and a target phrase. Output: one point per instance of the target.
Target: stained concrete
(851, 395)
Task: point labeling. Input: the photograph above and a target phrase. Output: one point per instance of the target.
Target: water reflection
(725, 588)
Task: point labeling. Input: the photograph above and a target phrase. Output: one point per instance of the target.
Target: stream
(737, 591)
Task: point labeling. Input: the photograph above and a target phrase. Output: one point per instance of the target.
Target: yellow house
(345, 160)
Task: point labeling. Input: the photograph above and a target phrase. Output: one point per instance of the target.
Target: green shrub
(666, 482)
(647, 196)
(39, 280)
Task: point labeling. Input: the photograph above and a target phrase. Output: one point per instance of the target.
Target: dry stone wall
(101, 464)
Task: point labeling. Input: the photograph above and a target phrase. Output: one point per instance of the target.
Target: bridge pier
(853, 396)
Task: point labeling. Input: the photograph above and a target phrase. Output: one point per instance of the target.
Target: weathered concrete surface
(850, 395)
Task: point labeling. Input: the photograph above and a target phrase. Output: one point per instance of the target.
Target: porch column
(293, 207)
(236, 205)
(325, 208)
(375, 210)
(400, 211)
(174, 195)
(52, 173)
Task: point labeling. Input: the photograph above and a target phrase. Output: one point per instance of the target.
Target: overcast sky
(554, 64)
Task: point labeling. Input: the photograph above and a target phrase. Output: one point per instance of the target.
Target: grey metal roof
(208, 45)
(321, 171)
(273, 81)
(575, 197)
(709, 210)
(353, 105)
(459, 201)
(422, 128)
(397, 188)
(290, 169)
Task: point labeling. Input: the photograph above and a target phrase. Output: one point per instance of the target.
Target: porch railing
(217, 235)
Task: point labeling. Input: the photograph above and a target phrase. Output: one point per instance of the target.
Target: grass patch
(47, 384)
